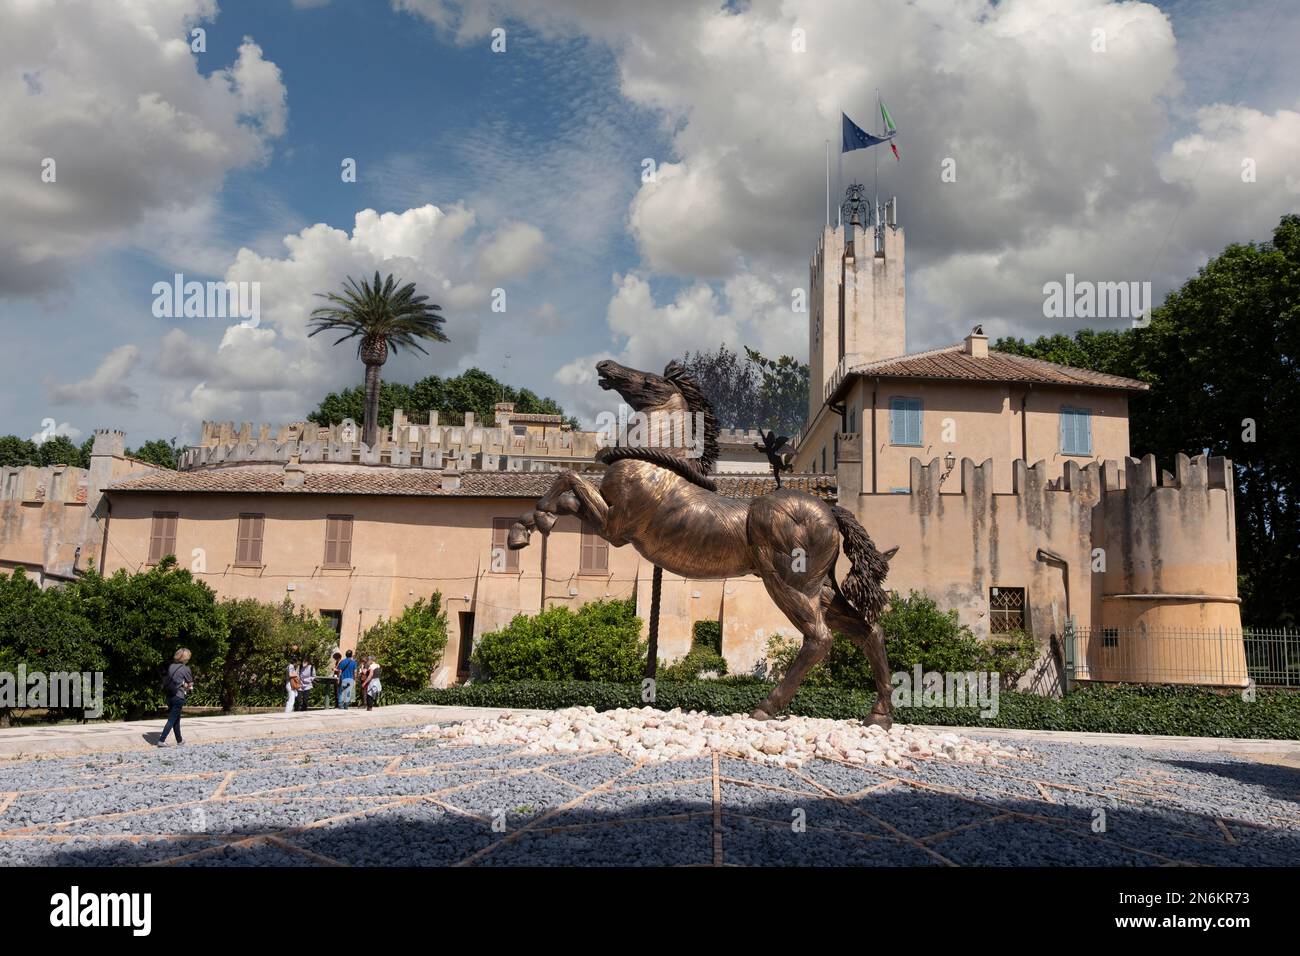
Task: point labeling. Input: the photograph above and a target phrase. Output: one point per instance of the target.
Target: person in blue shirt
(347, 678)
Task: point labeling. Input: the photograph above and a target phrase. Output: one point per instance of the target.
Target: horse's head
(674, 398)
(643, 391)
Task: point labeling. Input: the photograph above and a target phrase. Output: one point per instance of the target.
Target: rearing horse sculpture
(662, 501)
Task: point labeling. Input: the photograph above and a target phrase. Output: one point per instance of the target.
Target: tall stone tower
(857, 309)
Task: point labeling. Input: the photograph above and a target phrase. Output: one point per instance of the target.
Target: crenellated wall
(1110, 545)
(405, 445)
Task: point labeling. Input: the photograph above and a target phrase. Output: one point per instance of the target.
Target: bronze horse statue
(659, 497)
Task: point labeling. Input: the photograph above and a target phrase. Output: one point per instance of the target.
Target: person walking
(177, 686)
(306, 677)
(292, 684)
(347, 677)
(373, 686)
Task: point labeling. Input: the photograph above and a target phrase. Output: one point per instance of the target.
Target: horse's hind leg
(870, 640)
(805, 612)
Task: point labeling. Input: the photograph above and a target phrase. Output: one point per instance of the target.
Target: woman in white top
(292, 684)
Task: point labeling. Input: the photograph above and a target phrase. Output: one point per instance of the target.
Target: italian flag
(890, 128)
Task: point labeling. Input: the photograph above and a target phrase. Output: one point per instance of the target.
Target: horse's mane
(697, 403)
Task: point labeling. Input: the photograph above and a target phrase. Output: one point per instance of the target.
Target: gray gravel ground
(374, 798)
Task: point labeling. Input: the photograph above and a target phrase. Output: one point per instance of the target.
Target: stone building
(1005, 483)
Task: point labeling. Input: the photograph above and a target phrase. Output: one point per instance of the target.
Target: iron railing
(1218, 657)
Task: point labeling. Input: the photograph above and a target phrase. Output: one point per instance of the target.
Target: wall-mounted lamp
(949, 462)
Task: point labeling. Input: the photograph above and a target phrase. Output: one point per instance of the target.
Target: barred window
(1110, 637)
(1006, 610)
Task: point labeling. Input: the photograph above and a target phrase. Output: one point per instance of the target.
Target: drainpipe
(1024, 426)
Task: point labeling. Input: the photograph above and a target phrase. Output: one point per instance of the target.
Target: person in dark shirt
(347, 678)
(177, 686)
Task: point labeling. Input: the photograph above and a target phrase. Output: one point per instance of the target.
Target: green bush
(1182, 711)
(699, 660)
(41, 630)
(916, 632)
(409, 646)
(139, 621)
(259, 639)
(600, 642)
(707, 634)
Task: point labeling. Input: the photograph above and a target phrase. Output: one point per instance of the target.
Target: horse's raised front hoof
(568, 504)
(760, 714)
(545, 521)
(517, 537)
(883, 721)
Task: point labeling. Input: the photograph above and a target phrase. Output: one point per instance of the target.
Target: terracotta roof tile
(953, 363)
(419, 482)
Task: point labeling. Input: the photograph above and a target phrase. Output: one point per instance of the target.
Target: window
(335, 620)
(853, 421)
(521, 431)
(338, 541)
(823, 459)
(1076, 431)
(1006, 610)
(162, 536)
(1110, 637)
(504, 560)
(904, 421)
(248, 541)
(595, 551)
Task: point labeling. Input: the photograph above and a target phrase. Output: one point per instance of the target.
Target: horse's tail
(862, 587)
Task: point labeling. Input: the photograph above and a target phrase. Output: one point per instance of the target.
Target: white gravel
(654, 735)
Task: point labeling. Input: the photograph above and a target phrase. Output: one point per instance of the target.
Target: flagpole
(877, 155)
(828, 182)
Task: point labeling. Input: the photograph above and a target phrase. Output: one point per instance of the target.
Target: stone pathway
(373, 797)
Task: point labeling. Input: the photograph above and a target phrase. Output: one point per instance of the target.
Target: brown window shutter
(338, 541)
(500, 534)
(345, 540)
(162, 536)
(255, 543)
(248, 545)
(595, 551)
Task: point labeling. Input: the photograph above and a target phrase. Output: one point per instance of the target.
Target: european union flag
(855, 137)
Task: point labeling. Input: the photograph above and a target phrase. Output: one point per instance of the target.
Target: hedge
(1178, 711)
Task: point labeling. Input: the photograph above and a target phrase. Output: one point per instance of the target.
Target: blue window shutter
(914, 421)
(1076, 431)
(897, 434)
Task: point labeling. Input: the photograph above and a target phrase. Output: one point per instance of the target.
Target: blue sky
(522, 171)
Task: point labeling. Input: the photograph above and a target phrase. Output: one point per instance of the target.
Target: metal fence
(1221, 657)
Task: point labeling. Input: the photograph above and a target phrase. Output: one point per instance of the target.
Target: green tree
(18, 451)
(60, 451)
(158, 452)
(381, 317)
(472, 391)
(260, 643)
(782, 392)
(43, 631)
(140, 620)
(1222, 357)
(409, 646)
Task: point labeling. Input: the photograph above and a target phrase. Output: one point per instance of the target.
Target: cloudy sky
(1096, 138)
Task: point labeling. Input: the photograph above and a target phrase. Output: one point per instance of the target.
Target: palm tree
(382, 316)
